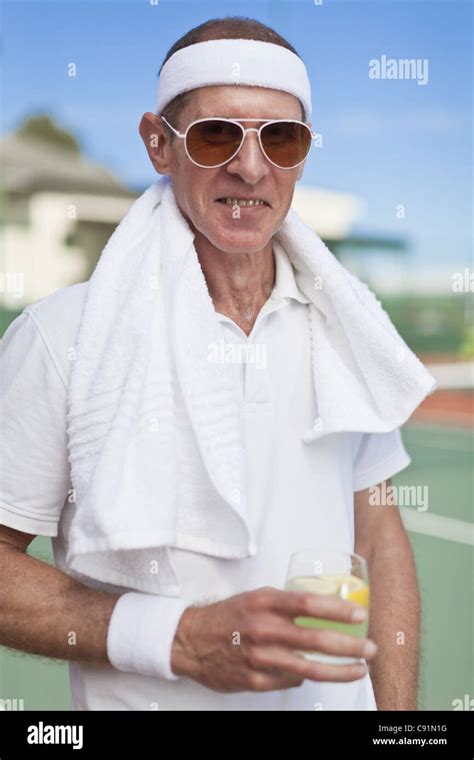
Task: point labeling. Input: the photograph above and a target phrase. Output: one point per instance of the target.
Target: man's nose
(249, 163)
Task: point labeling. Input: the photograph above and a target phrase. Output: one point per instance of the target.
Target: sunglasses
(210, 143)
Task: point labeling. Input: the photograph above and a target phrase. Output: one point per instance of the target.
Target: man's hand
(248, 642)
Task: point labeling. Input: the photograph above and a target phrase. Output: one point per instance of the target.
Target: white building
(59, 210)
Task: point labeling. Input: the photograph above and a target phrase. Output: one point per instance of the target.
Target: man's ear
(157, 142)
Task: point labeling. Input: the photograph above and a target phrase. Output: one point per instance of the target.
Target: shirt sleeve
(34, 468)
(379, 456)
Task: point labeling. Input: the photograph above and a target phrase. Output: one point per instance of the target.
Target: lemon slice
(313, 585)
(352, 588)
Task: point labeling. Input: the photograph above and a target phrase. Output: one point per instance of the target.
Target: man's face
(248, 175)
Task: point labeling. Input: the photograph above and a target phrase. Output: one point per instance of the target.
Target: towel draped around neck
(147, 323)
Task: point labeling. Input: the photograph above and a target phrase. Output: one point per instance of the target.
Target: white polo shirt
(300, 495)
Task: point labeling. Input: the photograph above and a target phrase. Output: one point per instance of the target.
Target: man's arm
(44, 611)
(395, 605)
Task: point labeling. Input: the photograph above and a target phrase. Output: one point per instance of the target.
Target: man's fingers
(329, 642)
(277, 660)
(318, 671)
(302, 604)
(269, 680)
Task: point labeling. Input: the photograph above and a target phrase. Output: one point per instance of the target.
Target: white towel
(147, 318)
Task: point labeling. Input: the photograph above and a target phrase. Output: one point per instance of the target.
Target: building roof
(30, 165)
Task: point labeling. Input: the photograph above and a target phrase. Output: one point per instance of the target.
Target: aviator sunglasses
(210, 143)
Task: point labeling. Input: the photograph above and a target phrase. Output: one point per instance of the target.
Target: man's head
(249, 174)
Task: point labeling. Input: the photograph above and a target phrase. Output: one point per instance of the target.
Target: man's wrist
(141, 632)
(182, 662)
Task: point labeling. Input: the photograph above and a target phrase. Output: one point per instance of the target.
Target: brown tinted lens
(286, 143)
(212, 142)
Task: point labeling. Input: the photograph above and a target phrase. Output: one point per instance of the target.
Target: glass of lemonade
(334, 573)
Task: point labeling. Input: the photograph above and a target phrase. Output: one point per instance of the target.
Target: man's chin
(238, 241)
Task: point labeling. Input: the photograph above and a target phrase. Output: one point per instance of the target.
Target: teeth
(235, 201)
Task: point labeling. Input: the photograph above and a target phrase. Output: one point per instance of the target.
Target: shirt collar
(285, 283)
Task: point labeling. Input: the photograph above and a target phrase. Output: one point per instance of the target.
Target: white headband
(245, 62)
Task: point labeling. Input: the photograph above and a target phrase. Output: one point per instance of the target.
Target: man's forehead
(243, 102)
(232, 113)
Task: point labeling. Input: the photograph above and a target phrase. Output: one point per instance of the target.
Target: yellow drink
(346, 587)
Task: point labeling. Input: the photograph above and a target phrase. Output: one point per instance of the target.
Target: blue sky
(390, 142)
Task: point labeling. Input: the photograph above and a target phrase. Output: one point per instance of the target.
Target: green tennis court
(442, 538)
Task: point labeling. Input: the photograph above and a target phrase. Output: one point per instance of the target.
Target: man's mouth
(243, 202)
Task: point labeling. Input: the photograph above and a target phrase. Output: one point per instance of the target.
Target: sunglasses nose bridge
(244, 133)
(259, 141)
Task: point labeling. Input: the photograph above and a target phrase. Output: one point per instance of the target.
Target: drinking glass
(332, 573)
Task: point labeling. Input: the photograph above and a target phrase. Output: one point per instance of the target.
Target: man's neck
(239, 283)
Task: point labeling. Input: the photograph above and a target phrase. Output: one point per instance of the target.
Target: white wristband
(141, 633)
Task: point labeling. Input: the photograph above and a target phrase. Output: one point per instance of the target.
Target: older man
(173, 527)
